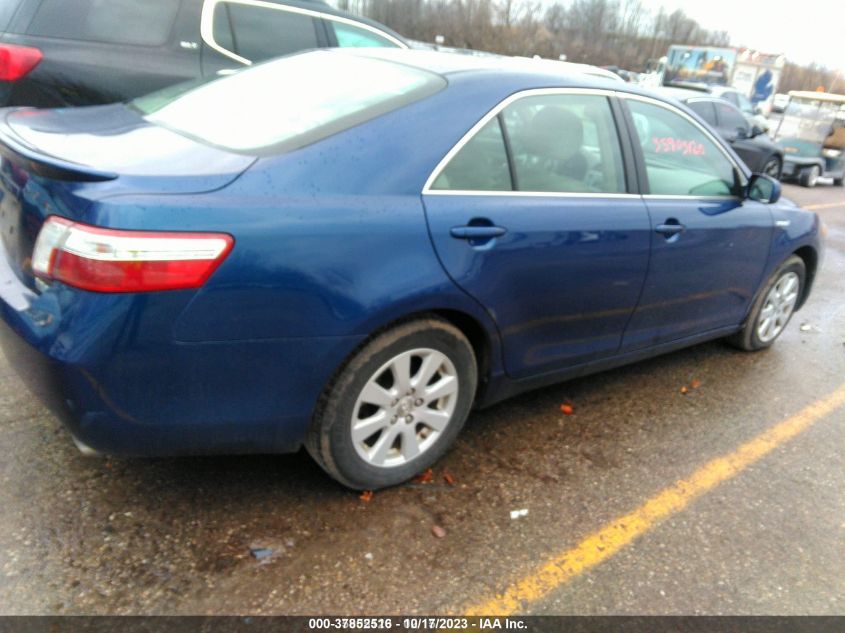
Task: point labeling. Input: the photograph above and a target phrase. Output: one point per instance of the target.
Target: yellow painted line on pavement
(826, 205)
(610, 539)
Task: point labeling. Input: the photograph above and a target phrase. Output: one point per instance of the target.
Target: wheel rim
(780, 302)
(404, 408)
(772, 168)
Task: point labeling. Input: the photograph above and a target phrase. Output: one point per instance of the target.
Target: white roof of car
(817, 96)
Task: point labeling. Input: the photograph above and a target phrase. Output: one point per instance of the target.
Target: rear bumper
(102, 364)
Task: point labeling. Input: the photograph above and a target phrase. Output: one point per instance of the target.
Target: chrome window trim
(528, 194)
(539, 92)
(207, 24)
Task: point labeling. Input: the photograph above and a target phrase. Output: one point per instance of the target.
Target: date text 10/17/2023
(416, 624)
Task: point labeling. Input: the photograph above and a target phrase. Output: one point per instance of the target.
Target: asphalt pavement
(708, 525)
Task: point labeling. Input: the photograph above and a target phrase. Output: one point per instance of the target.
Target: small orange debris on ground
(366, 496)
(438, 531)
(425, 477)
(567, 409)
(695, 384)
(449, 479)
(684, 390)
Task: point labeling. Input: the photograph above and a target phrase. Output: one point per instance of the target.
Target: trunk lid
(57, 162)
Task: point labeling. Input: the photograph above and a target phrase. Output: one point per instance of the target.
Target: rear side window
(730, 118)
(146, 23)
(480, 165)
(565, 143)
(348, 35)
(274, 107)
(560, 143)
(259, 33)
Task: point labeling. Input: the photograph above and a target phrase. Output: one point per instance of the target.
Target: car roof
(817, 96)
(536, 71)
(684, 94)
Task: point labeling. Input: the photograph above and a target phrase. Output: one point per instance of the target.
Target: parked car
(779, 102)
(753, 145)
(85, 52)
(403, 236)
(733, 96)
(812, 130)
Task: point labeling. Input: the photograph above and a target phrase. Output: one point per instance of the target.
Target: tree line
(622, 33)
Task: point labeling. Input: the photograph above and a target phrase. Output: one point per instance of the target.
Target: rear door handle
(477, 232)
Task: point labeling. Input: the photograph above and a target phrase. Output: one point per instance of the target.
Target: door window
(564, 143)
(259, 33)
(145, 23)
(731, 119)
(480, 165)
(353, 36)
(705, 110)
(680, 158)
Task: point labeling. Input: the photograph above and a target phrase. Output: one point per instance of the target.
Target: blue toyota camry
(348, 250)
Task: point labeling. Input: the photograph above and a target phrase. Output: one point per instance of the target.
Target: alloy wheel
(779, 305)
(404, 407)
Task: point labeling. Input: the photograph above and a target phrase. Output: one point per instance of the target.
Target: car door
(710, 243)
(734, 127)
(530, 214)
(237, 33)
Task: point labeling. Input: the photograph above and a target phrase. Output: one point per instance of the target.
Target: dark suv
(83, 52)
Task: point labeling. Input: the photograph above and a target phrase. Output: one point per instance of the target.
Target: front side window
(145, 23)
(680, 158)
(355, 37)
(258, 33)
(274, 107)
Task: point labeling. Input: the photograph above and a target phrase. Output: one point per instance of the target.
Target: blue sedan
(348, 250)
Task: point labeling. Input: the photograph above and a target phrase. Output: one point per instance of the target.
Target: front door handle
(477, 232)
(670, 227)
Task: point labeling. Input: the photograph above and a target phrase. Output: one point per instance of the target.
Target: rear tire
(839, 181)
(809, 176)
(396, 407)
(773, 307)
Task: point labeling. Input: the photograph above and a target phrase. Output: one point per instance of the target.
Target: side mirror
(763, 188)
(756, 131)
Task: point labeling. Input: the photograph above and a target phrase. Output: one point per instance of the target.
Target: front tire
(774, 307)
(397, 405)
(773, 167)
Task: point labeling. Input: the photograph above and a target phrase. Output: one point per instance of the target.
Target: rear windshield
(289, 102)
(7, 10)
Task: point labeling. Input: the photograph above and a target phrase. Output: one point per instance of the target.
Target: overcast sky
(804, 30)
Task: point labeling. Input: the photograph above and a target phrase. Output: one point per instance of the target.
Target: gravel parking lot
(274, 535)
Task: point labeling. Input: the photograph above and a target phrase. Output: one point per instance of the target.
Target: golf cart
(812, 132)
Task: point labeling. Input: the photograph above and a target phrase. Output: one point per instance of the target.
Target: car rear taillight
(17, 61)
(110, 260)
